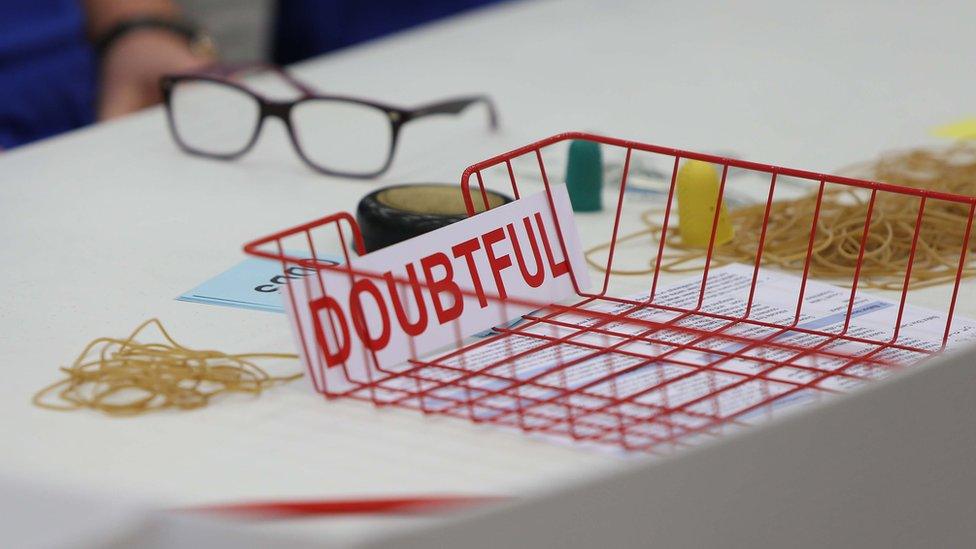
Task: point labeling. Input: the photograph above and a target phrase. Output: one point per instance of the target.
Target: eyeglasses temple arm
(306, 90)
(231, 70)
(455, 106)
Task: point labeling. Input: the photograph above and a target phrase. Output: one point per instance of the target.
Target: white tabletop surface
(105, 226)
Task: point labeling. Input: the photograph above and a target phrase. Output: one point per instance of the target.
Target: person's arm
(132, 63)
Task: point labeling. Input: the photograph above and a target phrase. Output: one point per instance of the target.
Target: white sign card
(462, 279)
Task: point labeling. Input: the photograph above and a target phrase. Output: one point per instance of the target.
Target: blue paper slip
(254, 283)
(259, 284)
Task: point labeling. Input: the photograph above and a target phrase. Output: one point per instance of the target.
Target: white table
(105, 226)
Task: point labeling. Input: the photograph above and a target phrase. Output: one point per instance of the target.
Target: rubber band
(123, 377)
(840, 227)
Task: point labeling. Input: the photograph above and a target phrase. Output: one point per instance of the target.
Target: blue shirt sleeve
(47, 70)
(310, 27)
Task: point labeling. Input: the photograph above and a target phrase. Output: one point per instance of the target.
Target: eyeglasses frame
(282, 109)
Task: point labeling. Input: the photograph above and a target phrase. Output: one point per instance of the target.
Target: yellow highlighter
(964, 129)
(697, 188)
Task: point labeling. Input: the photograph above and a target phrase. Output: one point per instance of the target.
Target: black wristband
(185, 29)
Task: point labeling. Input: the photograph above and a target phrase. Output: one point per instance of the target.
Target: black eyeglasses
(211, 115)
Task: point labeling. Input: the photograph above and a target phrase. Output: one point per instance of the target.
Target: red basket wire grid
(656, 374)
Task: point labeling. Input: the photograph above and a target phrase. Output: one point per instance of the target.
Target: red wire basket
(645, 372)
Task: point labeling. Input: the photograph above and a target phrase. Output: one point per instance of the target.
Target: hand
(132, 66)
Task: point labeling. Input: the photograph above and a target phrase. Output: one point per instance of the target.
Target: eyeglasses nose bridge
(278, 109)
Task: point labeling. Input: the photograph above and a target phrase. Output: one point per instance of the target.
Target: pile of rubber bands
(123, 377)
(840, 226)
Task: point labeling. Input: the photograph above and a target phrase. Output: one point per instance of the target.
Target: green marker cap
(584, 176)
